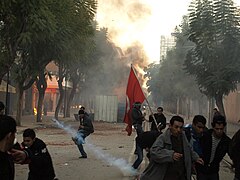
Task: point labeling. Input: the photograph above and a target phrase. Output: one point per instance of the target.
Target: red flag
(134, 94)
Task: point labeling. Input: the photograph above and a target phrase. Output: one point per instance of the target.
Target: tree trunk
(188, 108)
(61, 91)
(219, 102)
(210, 111)
(19, 103)
(39, 106)
(41, 86)
(70, 99)
(60, 101)
(178, 105)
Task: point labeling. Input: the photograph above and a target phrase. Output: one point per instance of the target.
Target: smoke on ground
(119, 163)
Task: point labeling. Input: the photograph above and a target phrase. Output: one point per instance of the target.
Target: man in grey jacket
(171, 155)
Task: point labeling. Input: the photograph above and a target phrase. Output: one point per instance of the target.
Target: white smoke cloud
(119, 163)
(142, 21)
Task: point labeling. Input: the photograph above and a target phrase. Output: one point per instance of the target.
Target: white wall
(105, 108)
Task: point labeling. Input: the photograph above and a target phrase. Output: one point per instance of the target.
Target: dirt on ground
(110, 151)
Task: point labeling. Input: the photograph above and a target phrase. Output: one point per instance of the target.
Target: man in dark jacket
(137, 120)
(160, 120)
(8, 155)
(144, 141)
(7, 136)
(214, 144)
(40, 161)
(137, 117)
(83, 108)
(234, 149)
(84, 130)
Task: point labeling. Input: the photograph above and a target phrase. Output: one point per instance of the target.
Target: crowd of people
(174, 153)
(181, 151)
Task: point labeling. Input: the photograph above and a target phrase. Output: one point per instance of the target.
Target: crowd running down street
(110, 151)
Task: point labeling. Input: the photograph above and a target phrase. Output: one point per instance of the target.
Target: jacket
(137, 116)
(88, 126)
(147, 138)
(160, 118)
(40, 166)
(161, 156)
(193, 138)
(6, 166)
(234, 150)
(221, 150)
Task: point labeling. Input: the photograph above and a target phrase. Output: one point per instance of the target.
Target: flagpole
(155, 121)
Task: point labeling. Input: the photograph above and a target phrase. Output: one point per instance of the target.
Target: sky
(142, 21)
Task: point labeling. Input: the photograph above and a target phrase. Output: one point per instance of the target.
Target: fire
(135, 26)
(140, 21)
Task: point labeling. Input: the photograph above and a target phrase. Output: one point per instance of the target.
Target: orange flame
(142, 22)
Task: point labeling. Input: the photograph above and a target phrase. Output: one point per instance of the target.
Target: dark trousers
(213, 176)
(174, 177)
(139, 130)
(139, 157)
(80, 147)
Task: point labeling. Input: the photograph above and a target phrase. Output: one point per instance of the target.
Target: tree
(80, 30)
(168, 81)
(214, 61)
(22, 22)
(33, 34)
(78, 68)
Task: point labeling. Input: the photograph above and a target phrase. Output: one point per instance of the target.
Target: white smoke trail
(120, 163)
(68, 129)
(77, 137)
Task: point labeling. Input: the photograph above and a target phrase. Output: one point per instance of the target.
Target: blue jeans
(81, 140)
(139, 157)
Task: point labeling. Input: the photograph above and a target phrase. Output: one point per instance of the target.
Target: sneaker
(82, 157)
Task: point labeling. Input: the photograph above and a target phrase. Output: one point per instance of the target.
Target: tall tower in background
(166, 43)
